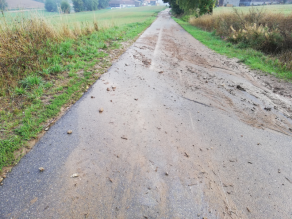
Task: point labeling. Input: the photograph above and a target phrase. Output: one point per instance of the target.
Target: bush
(174, 6)
(103, 3)
(65, 7)
(258, 37)
(50, 5)
(90, 5)
(186, 18)
(3, 5)
(78, 5)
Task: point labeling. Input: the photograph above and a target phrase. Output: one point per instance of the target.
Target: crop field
(104, 17)
(23, 4)
(114, 16)
(48, 61)
(283, 9)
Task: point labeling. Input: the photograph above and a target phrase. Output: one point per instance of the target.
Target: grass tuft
(30, 81)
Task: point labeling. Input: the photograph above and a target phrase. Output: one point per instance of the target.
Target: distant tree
(50, 5)
(3, 5)
(65, 7)
(90, 5)
(78, 5)
(205, 6)
(103, 4)
(186, 6)
(174, 6)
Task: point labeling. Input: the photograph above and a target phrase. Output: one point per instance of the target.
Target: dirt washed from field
(172, 130)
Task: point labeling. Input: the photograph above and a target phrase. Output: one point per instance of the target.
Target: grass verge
(77, 65)
(254, 59)
(27, 41)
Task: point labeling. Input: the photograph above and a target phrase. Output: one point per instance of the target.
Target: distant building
(138, 3)
(235, 3)
(229, 3)
(145, 2)
(131, 3)
(122, 3)
(256, 2)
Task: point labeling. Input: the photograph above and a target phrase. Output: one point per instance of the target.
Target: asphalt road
(185, 133)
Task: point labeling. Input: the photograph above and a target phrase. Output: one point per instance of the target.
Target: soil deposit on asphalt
(172, 130)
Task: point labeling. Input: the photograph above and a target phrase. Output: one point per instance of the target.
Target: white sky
(161, 2)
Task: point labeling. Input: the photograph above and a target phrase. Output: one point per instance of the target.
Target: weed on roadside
(258, 29)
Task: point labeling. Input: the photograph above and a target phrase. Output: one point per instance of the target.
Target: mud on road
(183, 133)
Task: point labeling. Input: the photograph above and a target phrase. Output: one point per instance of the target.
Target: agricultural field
(283, 9)
(110, 16)
(24, 4)
(49, 61)
(104, 17)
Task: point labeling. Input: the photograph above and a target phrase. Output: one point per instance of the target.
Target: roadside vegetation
(254, 59)
(258, 36)
(46, 65)
(65, 7)
(258, 29)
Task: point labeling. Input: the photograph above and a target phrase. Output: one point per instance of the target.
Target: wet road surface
(184, 133)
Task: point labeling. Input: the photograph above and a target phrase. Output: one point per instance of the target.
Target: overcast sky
(160, 2)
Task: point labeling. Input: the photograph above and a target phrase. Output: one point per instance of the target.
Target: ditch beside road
(172, 130)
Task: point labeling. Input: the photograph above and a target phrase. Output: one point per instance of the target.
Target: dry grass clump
(26, 42)
(265, 31)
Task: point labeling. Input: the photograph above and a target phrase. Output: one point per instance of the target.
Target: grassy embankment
(47, 64)
(259, 38)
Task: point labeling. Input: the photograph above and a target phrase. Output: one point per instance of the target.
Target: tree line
(189, 6)
(3, 5)
(78, 5)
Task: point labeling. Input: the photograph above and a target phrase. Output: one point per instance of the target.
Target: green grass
(62, 80)
(116, 16)
(285, 9)
(104, 17)
(254, 59)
